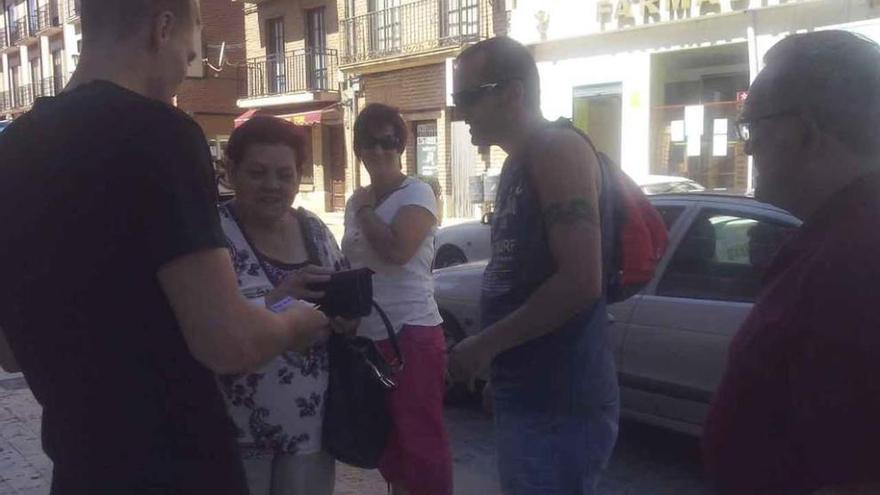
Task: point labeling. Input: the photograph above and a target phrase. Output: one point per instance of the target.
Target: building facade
(39, 48)
(292, 72)
(318, 63)
(659, 84)
(210, 91)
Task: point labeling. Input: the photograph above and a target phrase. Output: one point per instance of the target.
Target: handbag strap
(392, 337)
(253, 282)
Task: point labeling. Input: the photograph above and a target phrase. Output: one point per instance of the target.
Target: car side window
(670, 214)
(723, 256)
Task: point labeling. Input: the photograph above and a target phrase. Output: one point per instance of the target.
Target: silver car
(671, 340)
(469, 241)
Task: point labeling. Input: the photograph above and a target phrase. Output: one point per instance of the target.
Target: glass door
(275, 69)
(386, 25)
(316, 50)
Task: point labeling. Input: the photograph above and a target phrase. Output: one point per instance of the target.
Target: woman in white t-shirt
(389, 227)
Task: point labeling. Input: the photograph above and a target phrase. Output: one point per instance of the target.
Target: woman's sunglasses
(387, 143)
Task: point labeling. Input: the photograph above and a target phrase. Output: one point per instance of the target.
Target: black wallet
(348, 294)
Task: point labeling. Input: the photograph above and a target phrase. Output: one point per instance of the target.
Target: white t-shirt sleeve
(419, 194)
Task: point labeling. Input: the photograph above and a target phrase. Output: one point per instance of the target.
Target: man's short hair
(506, 59)
(834, 77)
(115, 20)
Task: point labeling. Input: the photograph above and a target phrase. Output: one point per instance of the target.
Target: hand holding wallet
(348, 294)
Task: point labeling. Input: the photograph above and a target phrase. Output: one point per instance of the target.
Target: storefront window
(693, 131)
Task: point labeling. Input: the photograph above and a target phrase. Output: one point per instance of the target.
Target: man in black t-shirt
(118, 298)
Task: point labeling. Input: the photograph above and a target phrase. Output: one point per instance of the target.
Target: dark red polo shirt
(799, 405)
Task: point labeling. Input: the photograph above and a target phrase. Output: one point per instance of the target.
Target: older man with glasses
(797, 410)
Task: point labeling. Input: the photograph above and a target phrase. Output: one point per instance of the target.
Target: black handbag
(356, 417)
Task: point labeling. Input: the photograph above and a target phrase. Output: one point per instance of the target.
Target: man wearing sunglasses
(553, 382)
(797, 408)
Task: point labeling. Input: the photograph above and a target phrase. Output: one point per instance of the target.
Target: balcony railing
(5, 101)
(23, 96)
(293, 72)
(18, 30)
(48, 86)
(45, 17)
(74, 8)
(3, 42)
(414, 27)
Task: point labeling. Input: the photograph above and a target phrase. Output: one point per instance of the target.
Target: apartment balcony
(48, 86)
(45, 18)
(18, 31)
(4, 43)
(413, 29)
(5, 102)
(74, 9)
(22, 97)
(300, 76)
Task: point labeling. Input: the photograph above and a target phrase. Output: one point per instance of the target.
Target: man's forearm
(557, 301)
(245, 342)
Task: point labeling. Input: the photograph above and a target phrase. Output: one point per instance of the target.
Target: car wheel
(449, 255)
(457, 393)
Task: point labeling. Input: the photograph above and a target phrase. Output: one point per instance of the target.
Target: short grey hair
(834, 77)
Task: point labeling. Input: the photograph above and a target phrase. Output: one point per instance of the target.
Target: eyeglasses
(744, 126)
(387, 143)
(469, 97)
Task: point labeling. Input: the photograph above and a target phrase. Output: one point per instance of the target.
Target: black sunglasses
(469, 97)
(387, 143)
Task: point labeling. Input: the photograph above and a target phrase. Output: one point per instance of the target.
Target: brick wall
(294, 15)
(415, 89)
(216, 93)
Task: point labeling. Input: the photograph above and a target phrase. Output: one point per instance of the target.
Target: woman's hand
(344, 326)
(363, 197)
(297, 285)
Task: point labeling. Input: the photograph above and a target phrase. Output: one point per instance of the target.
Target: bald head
(504, 59)
(831, 76)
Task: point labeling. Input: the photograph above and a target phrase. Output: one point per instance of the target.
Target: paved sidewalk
(25, 470)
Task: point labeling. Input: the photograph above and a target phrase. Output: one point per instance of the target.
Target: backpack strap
(607, 210)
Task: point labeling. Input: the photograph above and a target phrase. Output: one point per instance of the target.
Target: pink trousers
(417, 457)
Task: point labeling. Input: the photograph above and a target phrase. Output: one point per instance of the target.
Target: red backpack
(638, 237)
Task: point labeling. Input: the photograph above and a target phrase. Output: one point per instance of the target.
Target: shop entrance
(597, 111)
(697, 97)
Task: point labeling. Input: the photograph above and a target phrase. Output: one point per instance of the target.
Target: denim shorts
(552, 454)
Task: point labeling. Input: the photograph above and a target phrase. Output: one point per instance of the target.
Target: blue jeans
(546, 454)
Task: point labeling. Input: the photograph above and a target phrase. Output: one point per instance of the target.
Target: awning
(314, 117)
(241, 119)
